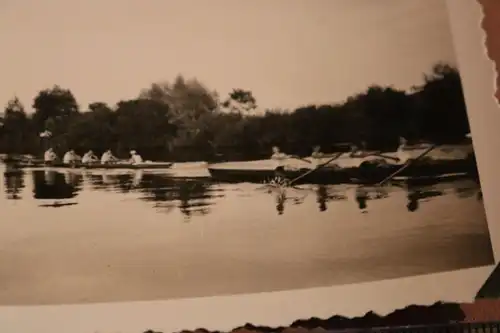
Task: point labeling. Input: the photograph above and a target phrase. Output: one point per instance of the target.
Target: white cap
(133, 152)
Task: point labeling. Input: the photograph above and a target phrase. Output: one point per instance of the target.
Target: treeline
(184, 120)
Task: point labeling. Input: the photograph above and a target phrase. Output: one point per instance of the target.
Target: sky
(287, 52)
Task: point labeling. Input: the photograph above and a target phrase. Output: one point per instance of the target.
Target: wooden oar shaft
(315, 169)
(406, 165)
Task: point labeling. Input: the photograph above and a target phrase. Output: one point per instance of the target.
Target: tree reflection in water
(53, 185)
(192, 196)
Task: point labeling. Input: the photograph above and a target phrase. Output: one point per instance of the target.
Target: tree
(189, 102)
(184, 120)
(187, 99)
(94, 129)
(144, 125)
(53, 109)
(100, 107)
(15, 134)
(387, 113)
(443, 115)
(240, 101)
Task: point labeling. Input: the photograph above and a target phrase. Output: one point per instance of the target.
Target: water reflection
(14, 183)
(421, 193)
(362, 199)
(108, 181)
(416, 195)
(282, 196)
(53, 185)
(192, 196)
(365, 194)
(467, 192)
(296, 196)
(196, 196)
(325, 195)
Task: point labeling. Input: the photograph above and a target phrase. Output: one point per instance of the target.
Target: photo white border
(282, 308)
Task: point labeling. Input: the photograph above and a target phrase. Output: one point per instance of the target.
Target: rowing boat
(145, 165)
(252, 172)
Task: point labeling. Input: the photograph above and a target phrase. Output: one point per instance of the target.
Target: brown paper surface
(491, 26)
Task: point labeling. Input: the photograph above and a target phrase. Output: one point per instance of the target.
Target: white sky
(287, 52)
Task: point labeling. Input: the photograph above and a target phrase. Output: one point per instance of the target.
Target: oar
(315, 169)
(406, 165)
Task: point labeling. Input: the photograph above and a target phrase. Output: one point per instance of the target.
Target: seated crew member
(49, 156)
(70, 157)
(89, 157)
(108, 157)
(135, 158)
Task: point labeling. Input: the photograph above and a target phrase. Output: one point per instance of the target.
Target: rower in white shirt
(89, 157)
(317, 157)
(279, 157)
(49, 156)
(70, 157)
(135, 158)
(108, 157)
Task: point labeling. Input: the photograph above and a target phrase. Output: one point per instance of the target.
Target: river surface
(97, 236)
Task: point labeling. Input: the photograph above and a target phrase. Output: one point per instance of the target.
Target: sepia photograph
(167, 150)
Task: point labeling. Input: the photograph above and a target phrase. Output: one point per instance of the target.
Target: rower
(135, 158)
(89, 157)
(401, 153)
(317, 156)
(108, 157)
(70, 157)
(316, 153)
(279, 161)
(49, 156)
(355, 151)
(278, 156)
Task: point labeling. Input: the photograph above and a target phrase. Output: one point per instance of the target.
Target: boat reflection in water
(325, 194)
(14, 184)
(195, 196)
(364, 194)
(56, 186)
(191, 196)
(282, 197)
(415, 194)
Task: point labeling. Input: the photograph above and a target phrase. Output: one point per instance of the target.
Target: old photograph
(163, 150)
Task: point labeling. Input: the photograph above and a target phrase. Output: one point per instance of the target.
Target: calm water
(87, 236)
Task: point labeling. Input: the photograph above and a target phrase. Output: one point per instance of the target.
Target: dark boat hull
(322, 176)
(365, 174)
